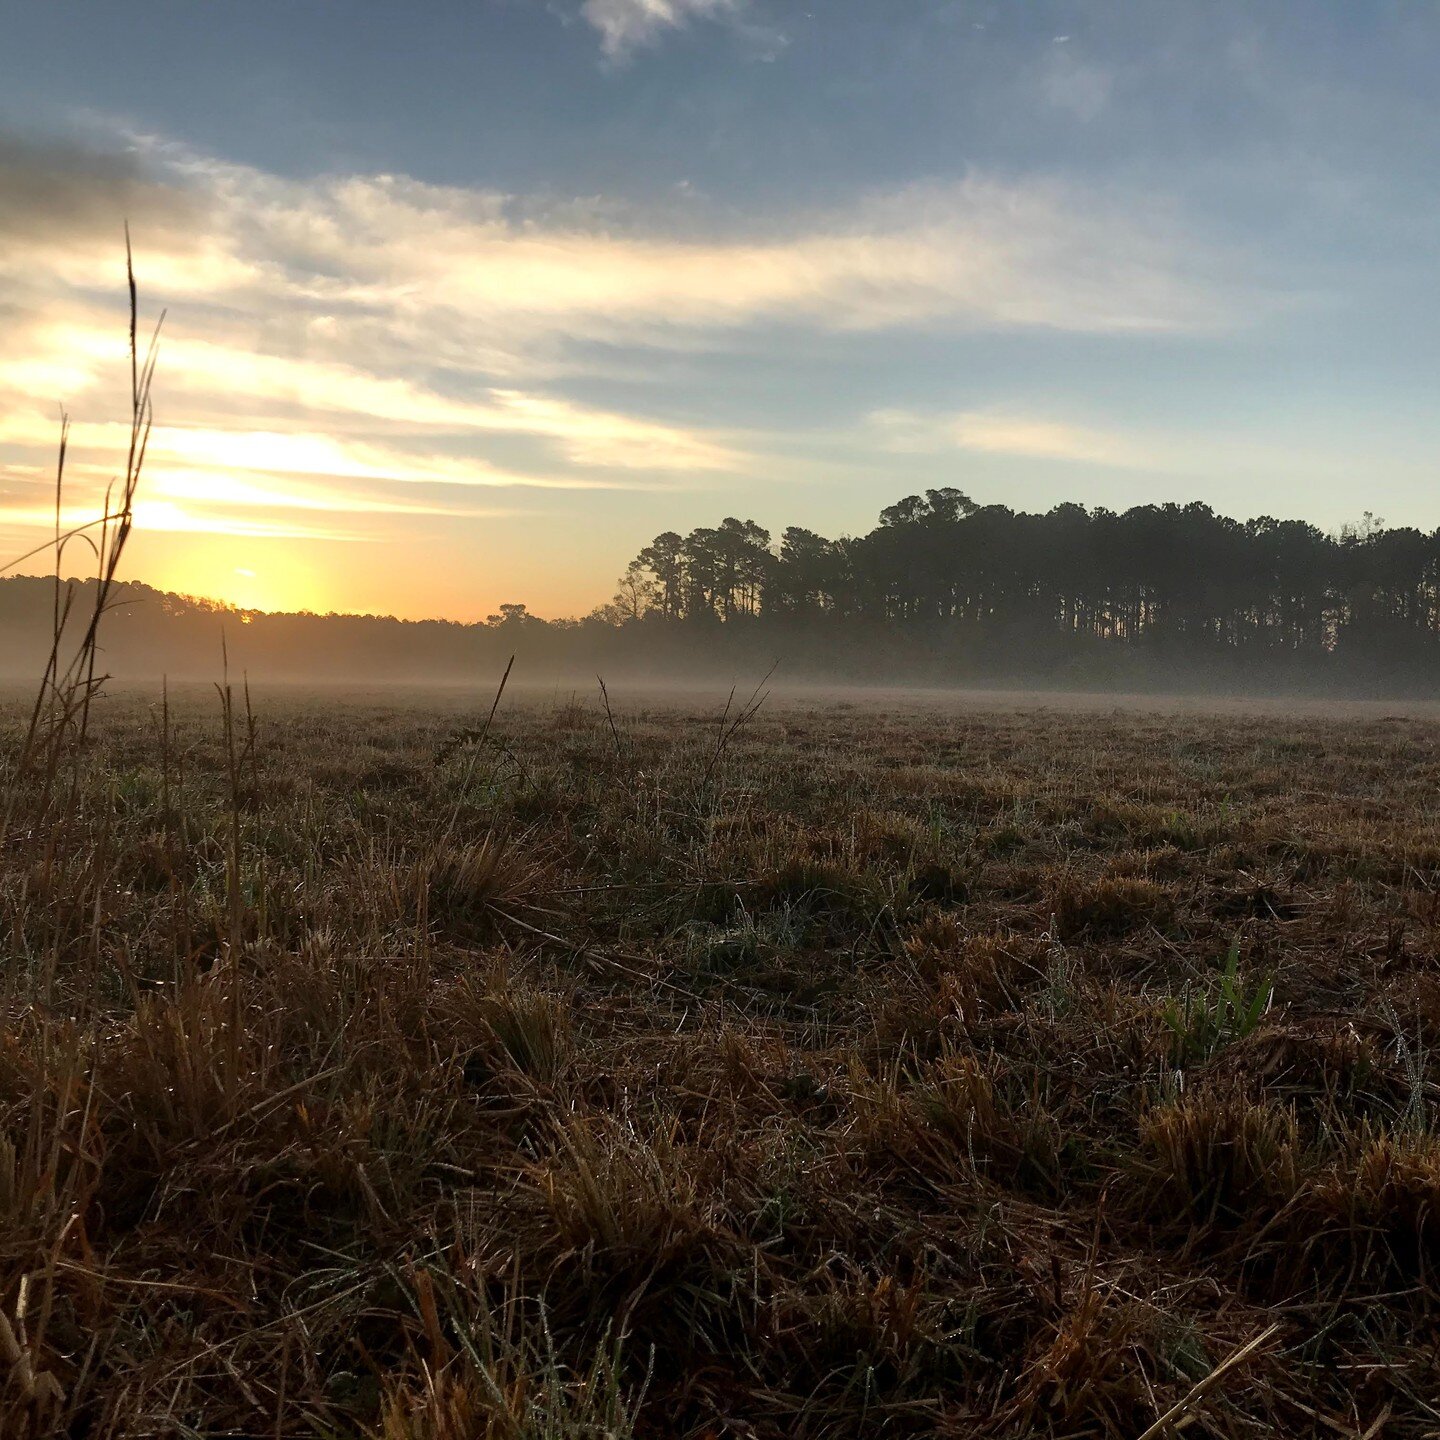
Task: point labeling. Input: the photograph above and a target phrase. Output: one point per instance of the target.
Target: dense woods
(1154, 573)
(941, 591)
(944, 585)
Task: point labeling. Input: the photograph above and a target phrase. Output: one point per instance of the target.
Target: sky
(465, 302)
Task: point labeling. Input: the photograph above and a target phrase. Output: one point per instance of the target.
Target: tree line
(942, 591)
(1163, 577)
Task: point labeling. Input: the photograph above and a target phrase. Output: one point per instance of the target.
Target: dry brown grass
(891, 1071)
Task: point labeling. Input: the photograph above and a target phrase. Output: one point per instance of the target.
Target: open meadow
(813, 1067)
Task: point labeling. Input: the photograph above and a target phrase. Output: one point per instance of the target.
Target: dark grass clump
(1218, 1160)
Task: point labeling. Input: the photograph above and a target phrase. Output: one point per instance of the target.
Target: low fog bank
(151, 634)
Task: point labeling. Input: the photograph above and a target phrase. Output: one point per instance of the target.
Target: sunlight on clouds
(337, 339)
(1149, 453)
(977, 252)
(980, 250)
(999, 433)
(583, 436)
(168, 515)
(220, 453)
(1044, 439)
(595, 437)
(44, 376)
(53, 362)
(218, 487)
(89, 263)
(264, 450)
(220, 501)
(155, 514)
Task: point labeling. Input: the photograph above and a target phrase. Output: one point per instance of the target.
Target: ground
(885, 1065)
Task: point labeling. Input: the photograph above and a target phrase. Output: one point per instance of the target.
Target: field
(898, 1066)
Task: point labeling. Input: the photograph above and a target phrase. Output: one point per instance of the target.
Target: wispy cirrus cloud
(1146, 460)
(628, 25)
(1002, 432)
(209, 377)
(983, 251)
(980, 252)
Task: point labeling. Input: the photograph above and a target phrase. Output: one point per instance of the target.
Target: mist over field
(943, 593)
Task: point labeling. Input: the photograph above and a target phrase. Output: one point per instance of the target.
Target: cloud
(378, 331)
(984, 251)
(211, 475)
(214, 386)
(1178, 459)
(56, 194)
(629, 25)
(154, 513)
(1007, 433)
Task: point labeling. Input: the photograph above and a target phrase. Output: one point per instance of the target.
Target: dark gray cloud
(65, 195)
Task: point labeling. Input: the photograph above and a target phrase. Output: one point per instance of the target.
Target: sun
(250, 574)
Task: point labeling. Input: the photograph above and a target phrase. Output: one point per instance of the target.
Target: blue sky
(467, 301)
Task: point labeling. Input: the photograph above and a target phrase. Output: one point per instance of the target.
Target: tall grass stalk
(60, 714)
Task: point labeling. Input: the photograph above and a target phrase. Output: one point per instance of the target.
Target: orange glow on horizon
(238, 571)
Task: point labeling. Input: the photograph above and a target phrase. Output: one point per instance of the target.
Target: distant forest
(942, 591)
